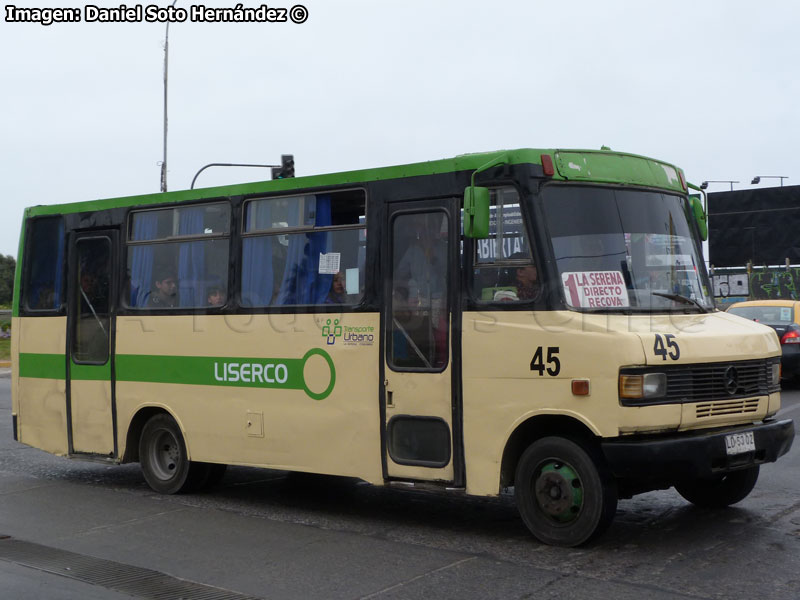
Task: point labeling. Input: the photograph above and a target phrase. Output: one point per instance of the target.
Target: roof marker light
(547, 165)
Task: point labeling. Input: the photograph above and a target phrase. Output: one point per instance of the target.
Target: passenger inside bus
(216, 297)
(165, 292)
(338, 294)
(526, 280)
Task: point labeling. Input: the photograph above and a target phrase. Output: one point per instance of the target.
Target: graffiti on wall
(776, 284)
(762, 284)
(730, 285)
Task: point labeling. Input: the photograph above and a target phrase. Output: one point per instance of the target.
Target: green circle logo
(327, 391)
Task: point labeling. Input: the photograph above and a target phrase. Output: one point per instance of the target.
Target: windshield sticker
(786, 313)
(683, 261)
(595, 289)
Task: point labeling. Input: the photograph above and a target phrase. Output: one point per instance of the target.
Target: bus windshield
(625, 249)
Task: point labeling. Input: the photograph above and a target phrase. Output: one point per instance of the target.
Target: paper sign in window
(329, 263)
(595, 289)
(351, 281)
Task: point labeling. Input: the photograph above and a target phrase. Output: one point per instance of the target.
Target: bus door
(422, 271)
(90, 339)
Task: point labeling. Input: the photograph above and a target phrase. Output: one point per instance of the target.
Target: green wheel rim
(558, 491)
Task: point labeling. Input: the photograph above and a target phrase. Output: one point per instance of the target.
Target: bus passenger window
(504, 269)
(44, 263)
(302, 250)
(178, 257)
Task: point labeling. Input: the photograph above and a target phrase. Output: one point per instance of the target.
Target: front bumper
(695, 454)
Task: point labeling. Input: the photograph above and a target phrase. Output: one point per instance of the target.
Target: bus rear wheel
(564, 493)
(719, 491)
(163, 457)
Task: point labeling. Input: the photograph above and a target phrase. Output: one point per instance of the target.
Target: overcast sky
(711, 86)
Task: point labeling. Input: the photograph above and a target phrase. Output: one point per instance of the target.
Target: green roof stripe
(628, 164)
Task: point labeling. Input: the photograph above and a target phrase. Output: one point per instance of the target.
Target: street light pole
(704, 185)
(166, 72)
(758, 178)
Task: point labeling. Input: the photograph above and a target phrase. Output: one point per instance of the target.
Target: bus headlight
(645, 386)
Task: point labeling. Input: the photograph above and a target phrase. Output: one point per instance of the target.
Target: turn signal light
(580, 387)
(630, 386)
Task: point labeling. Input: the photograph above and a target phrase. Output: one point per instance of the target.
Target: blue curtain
(257, 278)
(302, 283)
(191, 260)
(145, 227)
(287, 294)
(315, 285)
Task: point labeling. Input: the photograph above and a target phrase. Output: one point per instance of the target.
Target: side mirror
(700, 216)
(476, 212)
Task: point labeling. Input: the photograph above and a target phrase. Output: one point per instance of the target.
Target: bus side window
(44, 264)
(304, 250)
(178, 257)
(504, 269)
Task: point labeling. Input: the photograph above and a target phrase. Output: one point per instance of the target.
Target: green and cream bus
(529, 319)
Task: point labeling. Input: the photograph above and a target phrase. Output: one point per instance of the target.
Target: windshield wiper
(681, 298)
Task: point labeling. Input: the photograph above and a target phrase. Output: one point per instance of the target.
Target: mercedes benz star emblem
(731, 380)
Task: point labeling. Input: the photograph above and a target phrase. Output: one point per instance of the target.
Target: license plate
(738, 443)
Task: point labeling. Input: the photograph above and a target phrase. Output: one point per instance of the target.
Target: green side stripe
(90, 372)
(283, 373)
(42, 366)
(201, 370)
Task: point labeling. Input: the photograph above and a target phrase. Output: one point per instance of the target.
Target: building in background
(754, 244)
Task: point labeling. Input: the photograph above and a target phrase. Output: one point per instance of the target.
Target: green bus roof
(598, 166)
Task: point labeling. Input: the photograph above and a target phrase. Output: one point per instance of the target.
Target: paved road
(265, 534)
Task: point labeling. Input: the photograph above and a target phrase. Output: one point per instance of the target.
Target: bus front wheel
(719, 491)
(163, 457)
(564, 492)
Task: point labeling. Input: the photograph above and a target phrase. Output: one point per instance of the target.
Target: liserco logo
(253, 372)
(331, 332)
(273, 373)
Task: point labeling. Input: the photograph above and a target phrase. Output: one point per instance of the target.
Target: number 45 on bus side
(553, 367)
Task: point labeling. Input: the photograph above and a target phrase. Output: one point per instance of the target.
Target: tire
(720, 491)
(564, 491)
(164, 460)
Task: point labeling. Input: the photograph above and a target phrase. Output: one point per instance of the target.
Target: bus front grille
(714, 385)
(726, 407)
